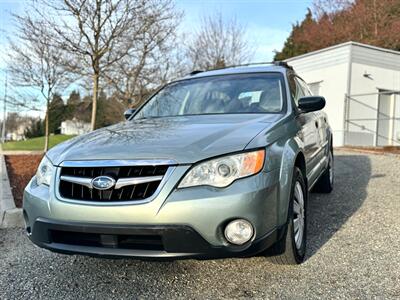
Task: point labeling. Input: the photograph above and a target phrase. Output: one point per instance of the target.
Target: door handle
(316, 124)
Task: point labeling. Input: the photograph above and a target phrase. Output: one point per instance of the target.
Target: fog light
(239, 232)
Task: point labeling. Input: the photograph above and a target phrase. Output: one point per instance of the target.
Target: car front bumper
(181, 222)
(147, 242)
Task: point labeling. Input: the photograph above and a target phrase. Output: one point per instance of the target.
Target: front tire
(295, 238)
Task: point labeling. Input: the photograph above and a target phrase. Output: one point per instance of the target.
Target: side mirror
(311, 103)
(128, 113)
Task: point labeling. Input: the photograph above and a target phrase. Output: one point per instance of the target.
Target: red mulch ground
(21, 169)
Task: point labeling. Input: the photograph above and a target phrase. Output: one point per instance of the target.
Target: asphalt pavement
(353, 253)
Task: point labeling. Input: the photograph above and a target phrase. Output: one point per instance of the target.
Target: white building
(74, 127)
(18, 134)
(361, 85)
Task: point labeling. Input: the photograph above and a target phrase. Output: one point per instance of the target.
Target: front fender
(283, 146)
(291, 149)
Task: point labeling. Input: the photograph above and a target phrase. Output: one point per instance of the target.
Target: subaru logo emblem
(103, 182)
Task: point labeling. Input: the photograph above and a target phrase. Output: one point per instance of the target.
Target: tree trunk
(375, 21)
(46, 129)
(94, 99)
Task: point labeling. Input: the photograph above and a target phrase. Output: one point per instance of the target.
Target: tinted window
(304, 87)
(293, 87)
(255, 93)
(296, 89)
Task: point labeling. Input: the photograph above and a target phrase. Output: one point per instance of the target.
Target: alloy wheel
(331, 168)
(299, 215)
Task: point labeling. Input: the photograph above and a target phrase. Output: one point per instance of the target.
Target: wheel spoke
(298, 211)
(296, 207)
(299, 194)
(296, 238)
(296, 224)
(300, 237)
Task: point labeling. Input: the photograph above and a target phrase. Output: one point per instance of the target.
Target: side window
(296, 89)
(304, 87)
(292, 87)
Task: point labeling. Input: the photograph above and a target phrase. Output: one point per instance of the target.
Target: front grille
(140, 191)
(120, 241)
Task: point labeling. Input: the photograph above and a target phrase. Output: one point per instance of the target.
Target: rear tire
(325, 182)
(294, 241)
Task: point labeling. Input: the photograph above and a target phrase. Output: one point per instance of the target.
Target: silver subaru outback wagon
(216, 164)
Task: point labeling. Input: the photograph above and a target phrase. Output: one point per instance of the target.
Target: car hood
(183, 139)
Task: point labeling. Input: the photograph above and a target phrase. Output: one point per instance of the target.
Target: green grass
(35, 143)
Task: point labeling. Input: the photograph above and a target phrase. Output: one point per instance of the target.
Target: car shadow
(327, 213)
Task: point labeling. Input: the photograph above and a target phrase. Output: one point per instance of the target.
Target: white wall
(383, 69)
(330, 68)
(396, 129)
(74, 127)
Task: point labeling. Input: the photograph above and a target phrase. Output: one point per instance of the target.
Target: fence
(372, 119)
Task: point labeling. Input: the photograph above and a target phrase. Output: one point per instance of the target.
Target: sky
(268, 23)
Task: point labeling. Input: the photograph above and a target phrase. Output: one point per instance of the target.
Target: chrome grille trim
(78, 180)
(136, 180)
(115, 163)
(121, 182)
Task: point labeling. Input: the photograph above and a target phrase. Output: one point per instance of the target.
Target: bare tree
(218, 43)
(97, 34)
(152, 59)
(34, 64)
(329, 7)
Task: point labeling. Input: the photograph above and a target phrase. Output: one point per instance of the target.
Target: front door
(385, 119)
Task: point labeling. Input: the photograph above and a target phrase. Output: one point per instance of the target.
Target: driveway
(353, 252)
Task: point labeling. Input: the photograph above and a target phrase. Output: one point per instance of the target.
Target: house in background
(74, 127)
(18, 133)
(361, 85)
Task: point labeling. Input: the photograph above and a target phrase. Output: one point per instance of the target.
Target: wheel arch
(292, 156)
(300, 162)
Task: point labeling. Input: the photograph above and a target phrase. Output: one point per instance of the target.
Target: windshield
(229, 94)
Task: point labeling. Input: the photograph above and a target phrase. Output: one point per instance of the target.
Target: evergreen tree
(36, 130)
(110, 111)
(74, 100)
(56, 113)
(292, 47)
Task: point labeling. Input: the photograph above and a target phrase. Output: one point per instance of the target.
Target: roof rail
(194, 72)
(283, 64)
(276, 63)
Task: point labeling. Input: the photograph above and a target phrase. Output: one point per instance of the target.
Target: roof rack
(276, 63)
(194, 72)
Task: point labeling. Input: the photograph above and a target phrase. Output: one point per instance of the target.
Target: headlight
(222, 171)
(44, 172)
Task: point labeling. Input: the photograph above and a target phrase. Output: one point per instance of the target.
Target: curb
(13, 218)
(21, 152)
(10, 215)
